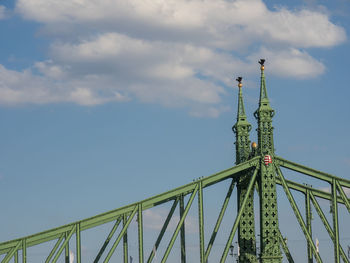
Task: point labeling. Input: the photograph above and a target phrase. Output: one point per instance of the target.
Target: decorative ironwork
(256, 167)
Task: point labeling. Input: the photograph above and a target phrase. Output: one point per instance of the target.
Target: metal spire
(264, 100)
(241, 128)
(246, 228)
(240, 112)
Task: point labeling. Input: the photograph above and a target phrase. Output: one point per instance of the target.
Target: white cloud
(328, 190)
(26, 87)
(154, 219)
(290, 62)
(177, 53)
(221, 23)
(3, 12)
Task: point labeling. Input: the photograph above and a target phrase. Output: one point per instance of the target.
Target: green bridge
(251, 234)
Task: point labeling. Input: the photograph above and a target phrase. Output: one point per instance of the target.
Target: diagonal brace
(326, 224)
(162, 231)
(219, 220)
(11, 253)
(121, 234)
(343, 196)
(109, 237)
(53, 251)
(179, 225)
(238, 218)
(285, 247)
(297, 214)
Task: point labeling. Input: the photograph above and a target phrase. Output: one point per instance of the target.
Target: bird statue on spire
(239, 79)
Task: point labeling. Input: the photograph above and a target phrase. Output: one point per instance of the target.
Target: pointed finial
(261, 62)
(239, 79)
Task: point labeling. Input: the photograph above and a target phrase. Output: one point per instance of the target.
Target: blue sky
(104, 103)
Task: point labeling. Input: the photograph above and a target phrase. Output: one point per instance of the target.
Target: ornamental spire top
(264, 100)
(241, 111)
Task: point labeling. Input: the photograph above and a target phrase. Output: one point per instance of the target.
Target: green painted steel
(109, 237)
(180, 224)
(343, 196)
(298, 216)
(270, 251)
(201, 222)
(240, 212)
(78, 243)
(140, 232)
(285, 248)
(246, 228)
(54, 249)
(256, 167)
(219, 220)
(182, 231)
(121, 235)
(125, 239)
(308, 217)
(326, 224)
(24, 250)
(162, 231)
(334, 211)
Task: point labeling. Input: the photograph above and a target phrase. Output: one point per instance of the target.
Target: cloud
(155, 218)
(26, 87)
(328, 190)
(176, 53)
(193, 20)
(3, 12)
(290, 62)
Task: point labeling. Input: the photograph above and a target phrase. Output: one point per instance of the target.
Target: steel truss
(257, 168)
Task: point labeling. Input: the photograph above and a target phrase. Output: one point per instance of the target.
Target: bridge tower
(270, 251)
(246, 228)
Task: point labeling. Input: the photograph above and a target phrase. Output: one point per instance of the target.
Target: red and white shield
(267, 159)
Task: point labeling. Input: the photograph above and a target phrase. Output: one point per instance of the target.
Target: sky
(104, 103)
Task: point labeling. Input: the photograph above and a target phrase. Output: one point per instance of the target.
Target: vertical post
(270, 250)
(78, 243)
(66, 249)
(246, 228)
(308, 224)
(125, 241)
(182, 231)
(335, 222)
(201, 222)
(24, 251)
(140, 232)
(16, 256)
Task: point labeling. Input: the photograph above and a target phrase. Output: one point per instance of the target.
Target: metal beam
(78, 243)
(66, 241)
(311, 172)
(343, 196)
(109, 237)
(121, 234)
(219, 220)
(125, 240)
(201, 222)
(140, 232)
(54, 249)
(308, 224)
(162, 231)
(318, 193)
(238, 217)
(298, 215)
(326, 224)
(182, 231)
(11, 253)
(179, 225)
(285, 248)
(106, 217)
(335, 221)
